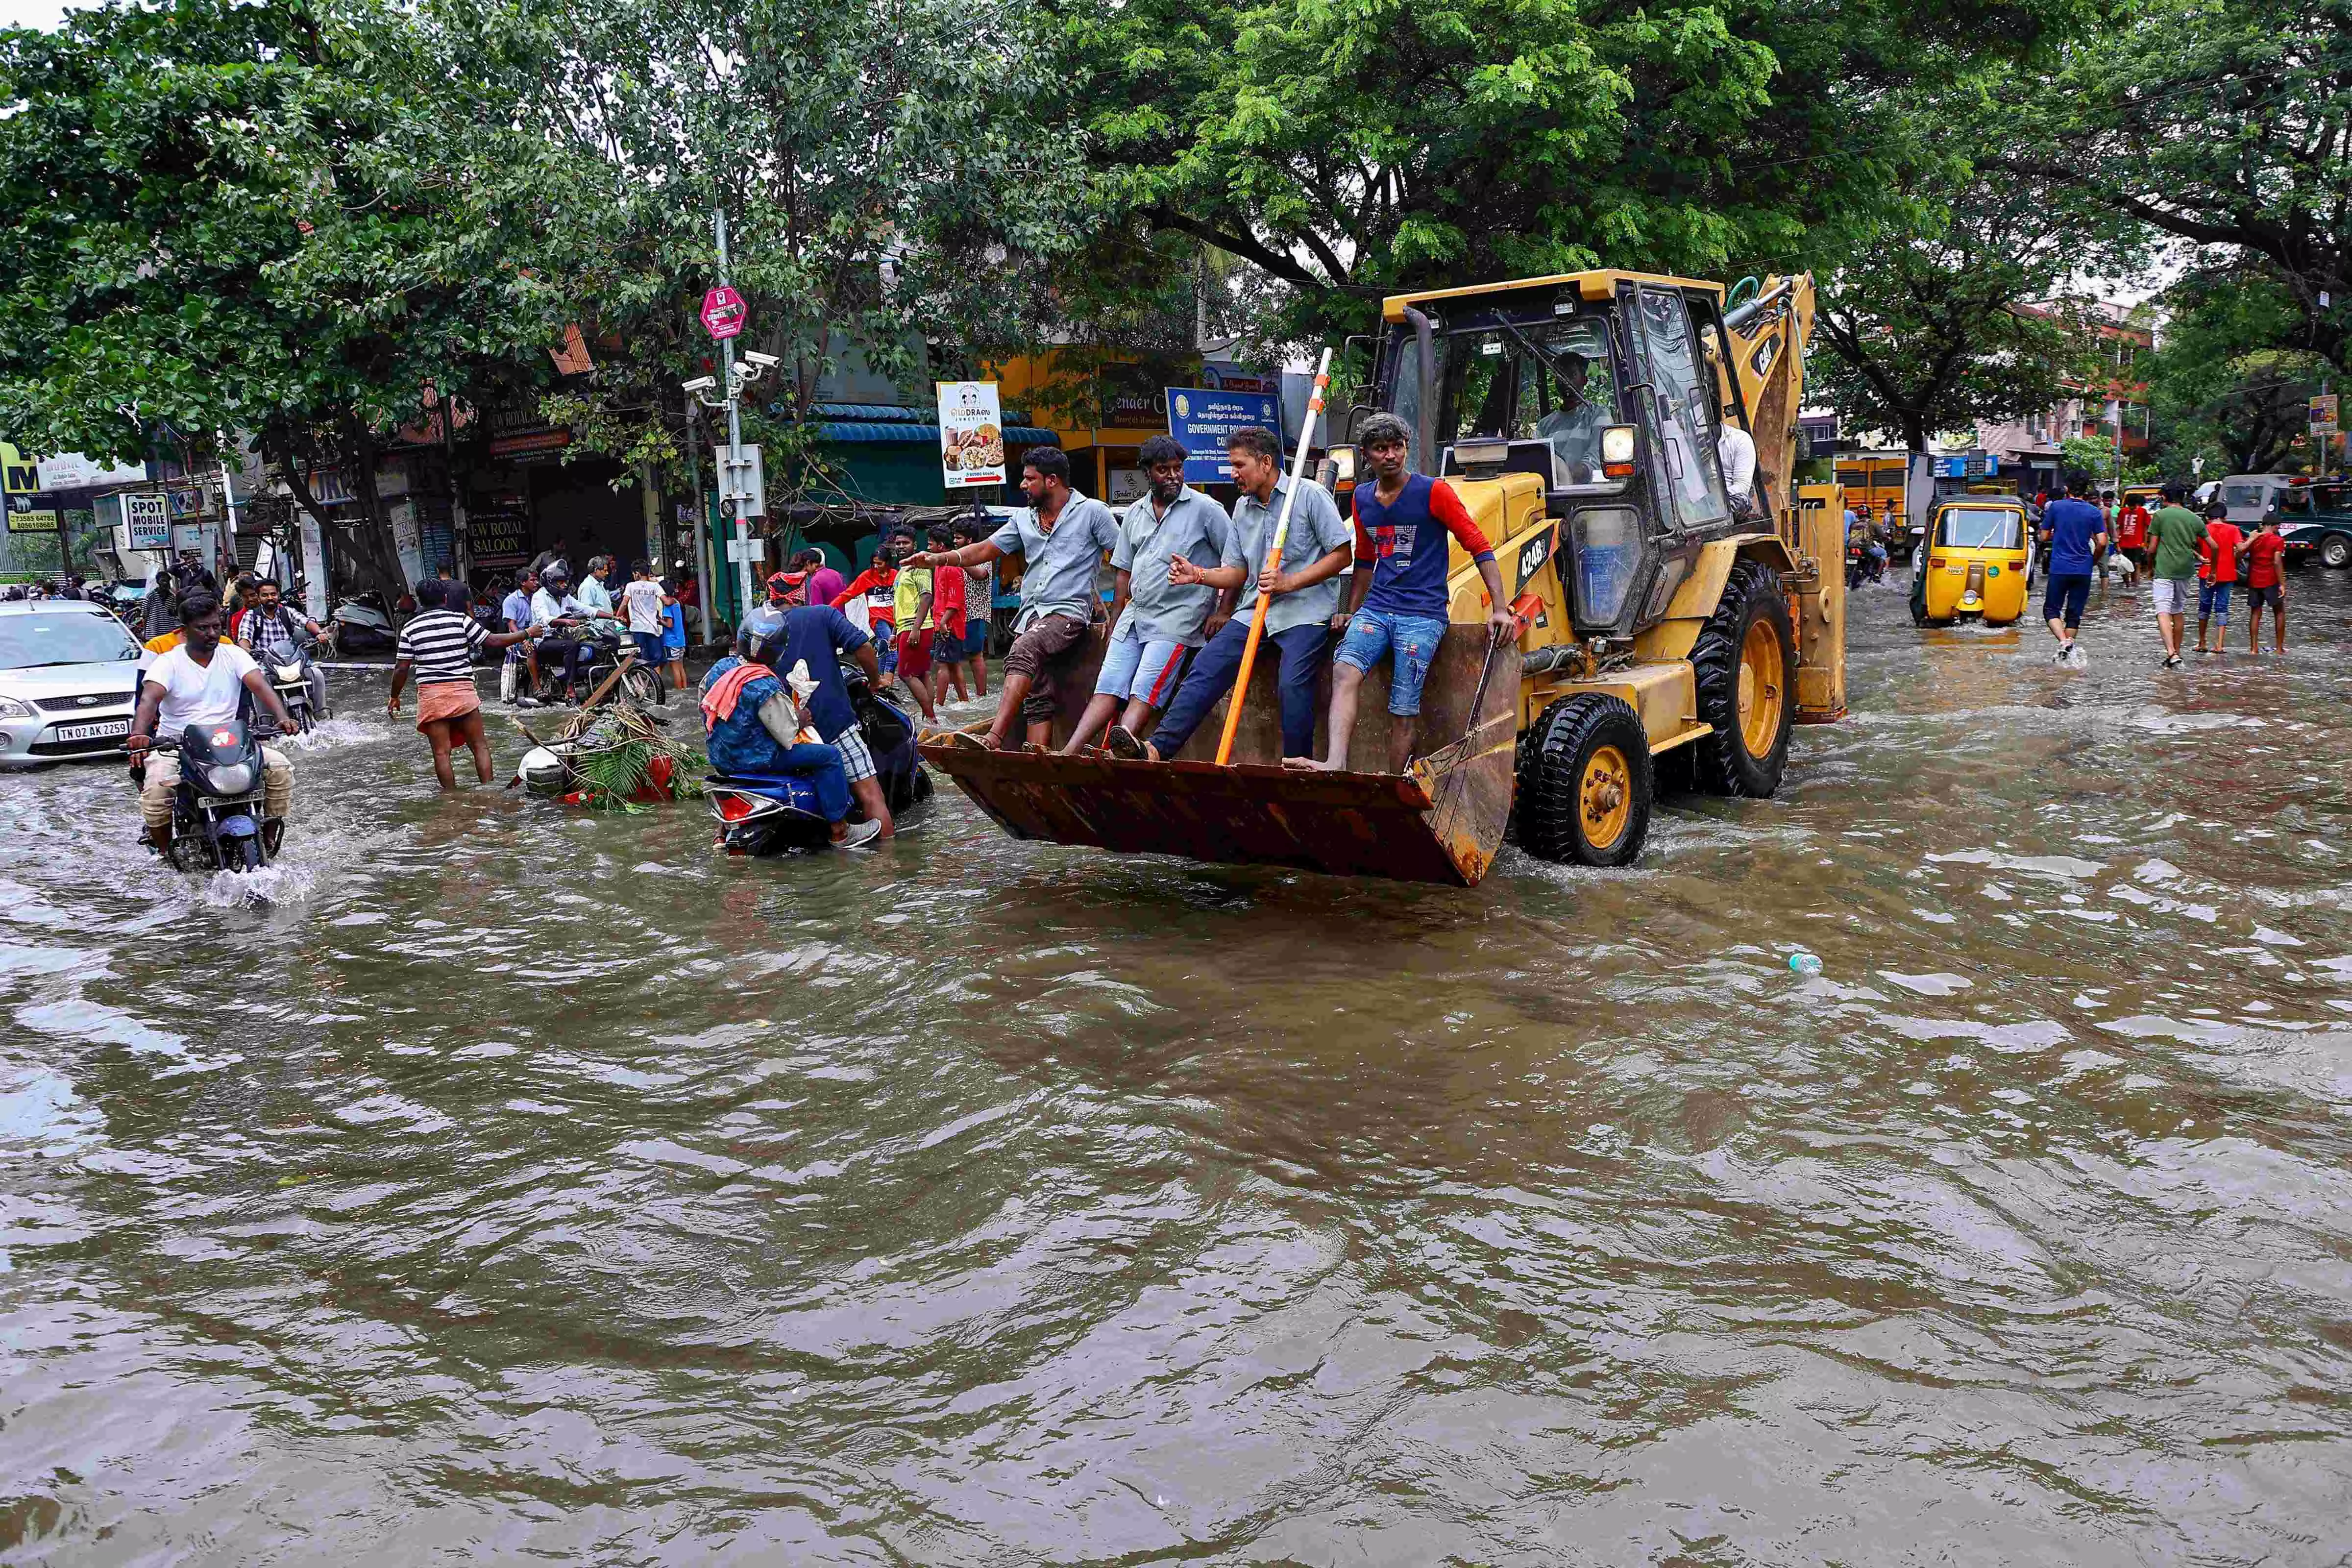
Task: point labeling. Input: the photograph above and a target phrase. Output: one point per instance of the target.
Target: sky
(30, 12)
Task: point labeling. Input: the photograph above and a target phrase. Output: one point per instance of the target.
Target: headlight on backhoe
(1617, 452)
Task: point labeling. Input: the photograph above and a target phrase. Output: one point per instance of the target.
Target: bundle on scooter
(613, 758)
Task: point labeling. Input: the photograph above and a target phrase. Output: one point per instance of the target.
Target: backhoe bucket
(1441, 822)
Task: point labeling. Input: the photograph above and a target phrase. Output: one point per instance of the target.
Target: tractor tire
(1585, 782)
(1745, 662)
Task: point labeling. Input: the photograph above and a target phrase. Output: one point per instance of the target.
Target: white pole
(734, 441)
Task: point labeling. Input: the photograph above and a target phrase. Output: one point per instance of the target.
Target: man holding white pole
(1305, 594)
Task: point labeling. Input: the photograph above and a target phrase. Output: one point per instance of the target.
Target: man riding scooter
(556, 613)
(202, 682)
(759, 723)
(273, 633)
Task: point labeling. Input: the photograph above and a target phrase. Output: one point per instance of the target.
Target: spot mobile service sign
(971, 435)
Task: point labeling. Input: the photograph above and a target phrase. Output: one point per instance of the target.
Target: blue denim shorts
(1412, 638)
(1144, 669)
(2213, 600)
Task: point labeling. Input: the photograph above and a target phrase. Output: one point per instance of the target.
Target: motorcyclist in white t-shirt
(203, 681)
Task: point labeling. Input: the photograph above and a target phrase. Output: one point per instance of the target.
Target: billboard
(1201, 417)
(971, 435)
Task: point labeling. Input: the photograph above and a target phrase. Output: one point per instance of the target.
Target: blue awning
(919, 434)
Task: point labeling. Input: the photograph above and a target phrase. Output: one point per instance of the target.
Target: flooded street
(519, 1183)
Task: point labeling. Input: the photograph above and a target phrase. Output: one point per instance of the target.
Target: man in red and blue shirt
(1397, 605)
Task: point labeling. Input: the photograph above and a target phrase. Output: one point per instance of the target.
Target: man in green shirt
(2176, 533)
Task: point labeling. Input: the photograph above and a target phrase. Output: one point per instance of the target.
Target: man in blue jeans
(1397, 608)
(2075, 531)
(1305, 589)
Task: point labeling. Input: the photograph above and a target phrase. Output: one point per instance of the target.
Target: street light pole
(701, 518)
(734, 440)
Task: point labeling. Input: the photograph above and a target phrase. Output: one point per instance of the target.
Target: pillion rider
(203, 681)
(1397, 605)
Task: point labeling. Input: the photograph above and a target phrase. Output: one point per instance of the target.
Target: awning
(923, 435)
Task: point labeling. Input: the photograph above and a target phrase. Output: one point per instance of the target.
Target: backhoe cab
(1671, 630)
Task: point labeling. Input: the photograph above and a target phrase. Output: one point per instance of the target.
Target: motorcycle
(760, 814)
(1861, 568)
(216, 821)
(362, 623)
(292, 684)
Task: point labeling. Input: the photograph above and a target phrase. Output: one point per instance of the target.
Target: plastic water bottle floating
(1804, 963)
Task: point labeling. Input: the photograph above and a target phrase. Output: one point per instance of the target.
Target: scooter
(216, 821)
(760, 814)
(292, 684)
(362, 623)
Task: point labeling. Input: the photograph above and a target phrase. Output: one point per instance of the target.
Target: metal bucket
(1441, 822)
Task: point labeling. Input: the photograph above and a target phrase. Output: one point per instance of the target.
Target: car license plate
(112, 727)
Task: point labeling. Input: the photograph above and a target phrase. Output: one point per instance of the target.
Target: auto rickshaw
(1975, 562)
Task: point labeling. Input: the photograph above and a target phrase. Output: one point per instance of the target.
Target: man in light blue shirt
(1155, 621)
(1061, 540)
(1304, 585)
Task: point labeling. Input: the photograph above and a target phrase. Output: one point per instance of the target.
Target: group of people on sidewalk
(1182, 566)
(2186, 559)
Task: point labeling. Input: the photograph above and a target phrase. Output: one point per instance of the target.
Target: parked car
(2316, 521)
(68, 681)
(2252, 497)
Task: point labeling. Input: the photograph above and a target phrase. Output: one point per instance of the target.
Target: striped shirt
(440, 647)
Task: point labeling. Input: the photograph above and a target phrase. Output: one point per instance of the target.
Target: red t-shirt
(947, 600)
(2219, 551)
(2264, 552)
(2131, 531)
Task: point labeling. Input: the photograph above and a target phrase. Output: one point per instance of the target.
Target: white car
(68, 681)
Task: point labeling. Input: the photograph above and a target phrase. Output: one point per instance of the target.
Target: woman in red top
(2265, 585)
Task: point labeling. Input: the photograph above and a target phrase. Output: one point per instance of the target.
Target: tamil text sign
(971, 435)
(1202, 418)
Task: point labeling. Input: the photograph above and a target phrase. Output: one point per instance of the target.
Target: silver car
(68, 681)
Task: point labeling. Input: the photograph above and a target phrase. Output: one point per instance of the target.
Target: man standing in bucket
(1304, 589)
(1397, 607)
(1061, 538)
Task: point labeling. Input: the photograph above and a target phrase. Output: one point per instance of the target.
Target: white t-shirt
(643, 600)
(199, 694)
(1736, 449)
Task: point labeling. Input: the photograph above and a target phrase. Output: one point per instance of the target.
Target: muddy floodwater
(520, 1187)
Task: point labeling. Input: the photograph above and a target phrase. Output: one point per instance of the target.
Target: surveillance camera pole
(734, 437)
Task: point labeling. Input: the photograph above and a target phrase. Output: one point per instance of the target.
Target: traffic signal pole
(734, 440)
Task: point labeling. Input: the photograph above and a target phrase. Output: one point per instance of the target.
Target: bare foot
(1309, 765)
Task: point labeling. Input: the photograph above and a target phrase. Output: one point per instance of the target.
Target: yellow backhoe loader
(1670, 633)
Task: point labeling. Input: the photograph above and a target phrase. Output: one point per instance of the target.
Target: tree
(2218, 389)
(224, 216)
(1928, 327)
(886, 177)
(2222, 124)
(1347, 152)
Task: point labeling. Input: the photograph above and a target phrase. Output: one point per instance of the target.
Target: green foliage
(228, 216)
(1346, 150)
(2221, 125)
(2219, 388)
(1927, 325)
(888, 185)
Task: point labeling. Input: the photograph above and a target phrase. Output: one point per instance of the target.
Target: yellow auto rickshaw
(1974, 563)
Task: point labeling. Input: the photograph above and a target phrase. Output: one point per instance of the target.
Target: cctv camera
(703, 383)
(764, 361)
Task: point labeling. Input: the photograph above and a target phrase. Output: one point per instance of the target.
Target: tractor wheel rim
(1604, 796)
(1762, 678)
